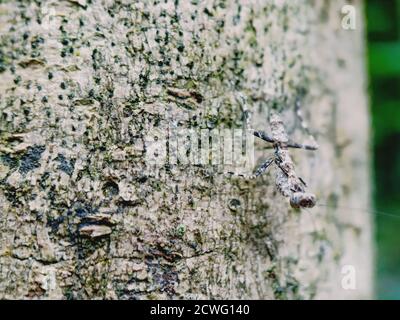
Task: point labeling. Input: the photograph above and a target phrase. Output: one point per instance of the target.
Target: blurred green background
(383, 32)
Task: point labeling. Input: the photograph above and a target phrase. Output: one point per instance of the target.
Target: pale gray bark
(77, 99)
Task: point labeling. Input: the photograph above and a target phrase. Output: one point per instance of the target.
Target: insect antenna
(312, 218)
(371, 211)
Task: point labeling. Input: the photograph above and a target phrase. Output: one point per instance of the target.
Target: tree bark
(86, 84)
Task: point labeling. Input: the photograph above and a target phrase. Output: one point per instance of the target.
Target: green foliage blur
(383, 32)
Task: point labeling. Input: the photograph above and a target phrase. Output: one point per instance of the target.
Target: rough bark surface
(83, 215)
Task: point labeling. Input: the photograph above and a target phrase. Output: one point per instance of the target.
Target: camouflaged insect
(287, 182)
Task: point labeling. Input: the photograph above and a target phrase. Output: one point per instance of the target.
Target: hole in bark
(110, 189)
(234, 204)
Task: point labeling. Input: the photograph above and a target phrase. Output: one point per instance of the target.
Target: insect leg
(261, 169)
(302, 181)
(278, 163)
(245, 110)
(305, 127)
(302, 146)
(299, 115)
(240, 175)
(262, 135)
(246, 114)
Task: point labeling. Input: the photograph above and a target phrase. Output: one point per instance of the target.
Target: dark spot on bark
(190, 65)
(11, 195)
(17, 79)
(180, 47)
(165, 277)
(66, 165)
(341, 63)
(30, 160)
(142, 179)
(96, 57)
(197, 96)
(82, 211)
(9, 161)
(208, 12)
(42, 182)
(54, 223)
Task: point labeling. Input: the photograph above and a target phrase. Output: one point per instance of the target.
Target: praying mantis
(288, 183)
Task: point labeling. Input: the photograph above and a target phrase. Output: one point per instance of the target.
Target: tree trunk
(87, 86)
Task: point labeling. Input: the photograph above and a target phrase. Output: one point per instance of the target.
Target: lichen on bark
(84, 83)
